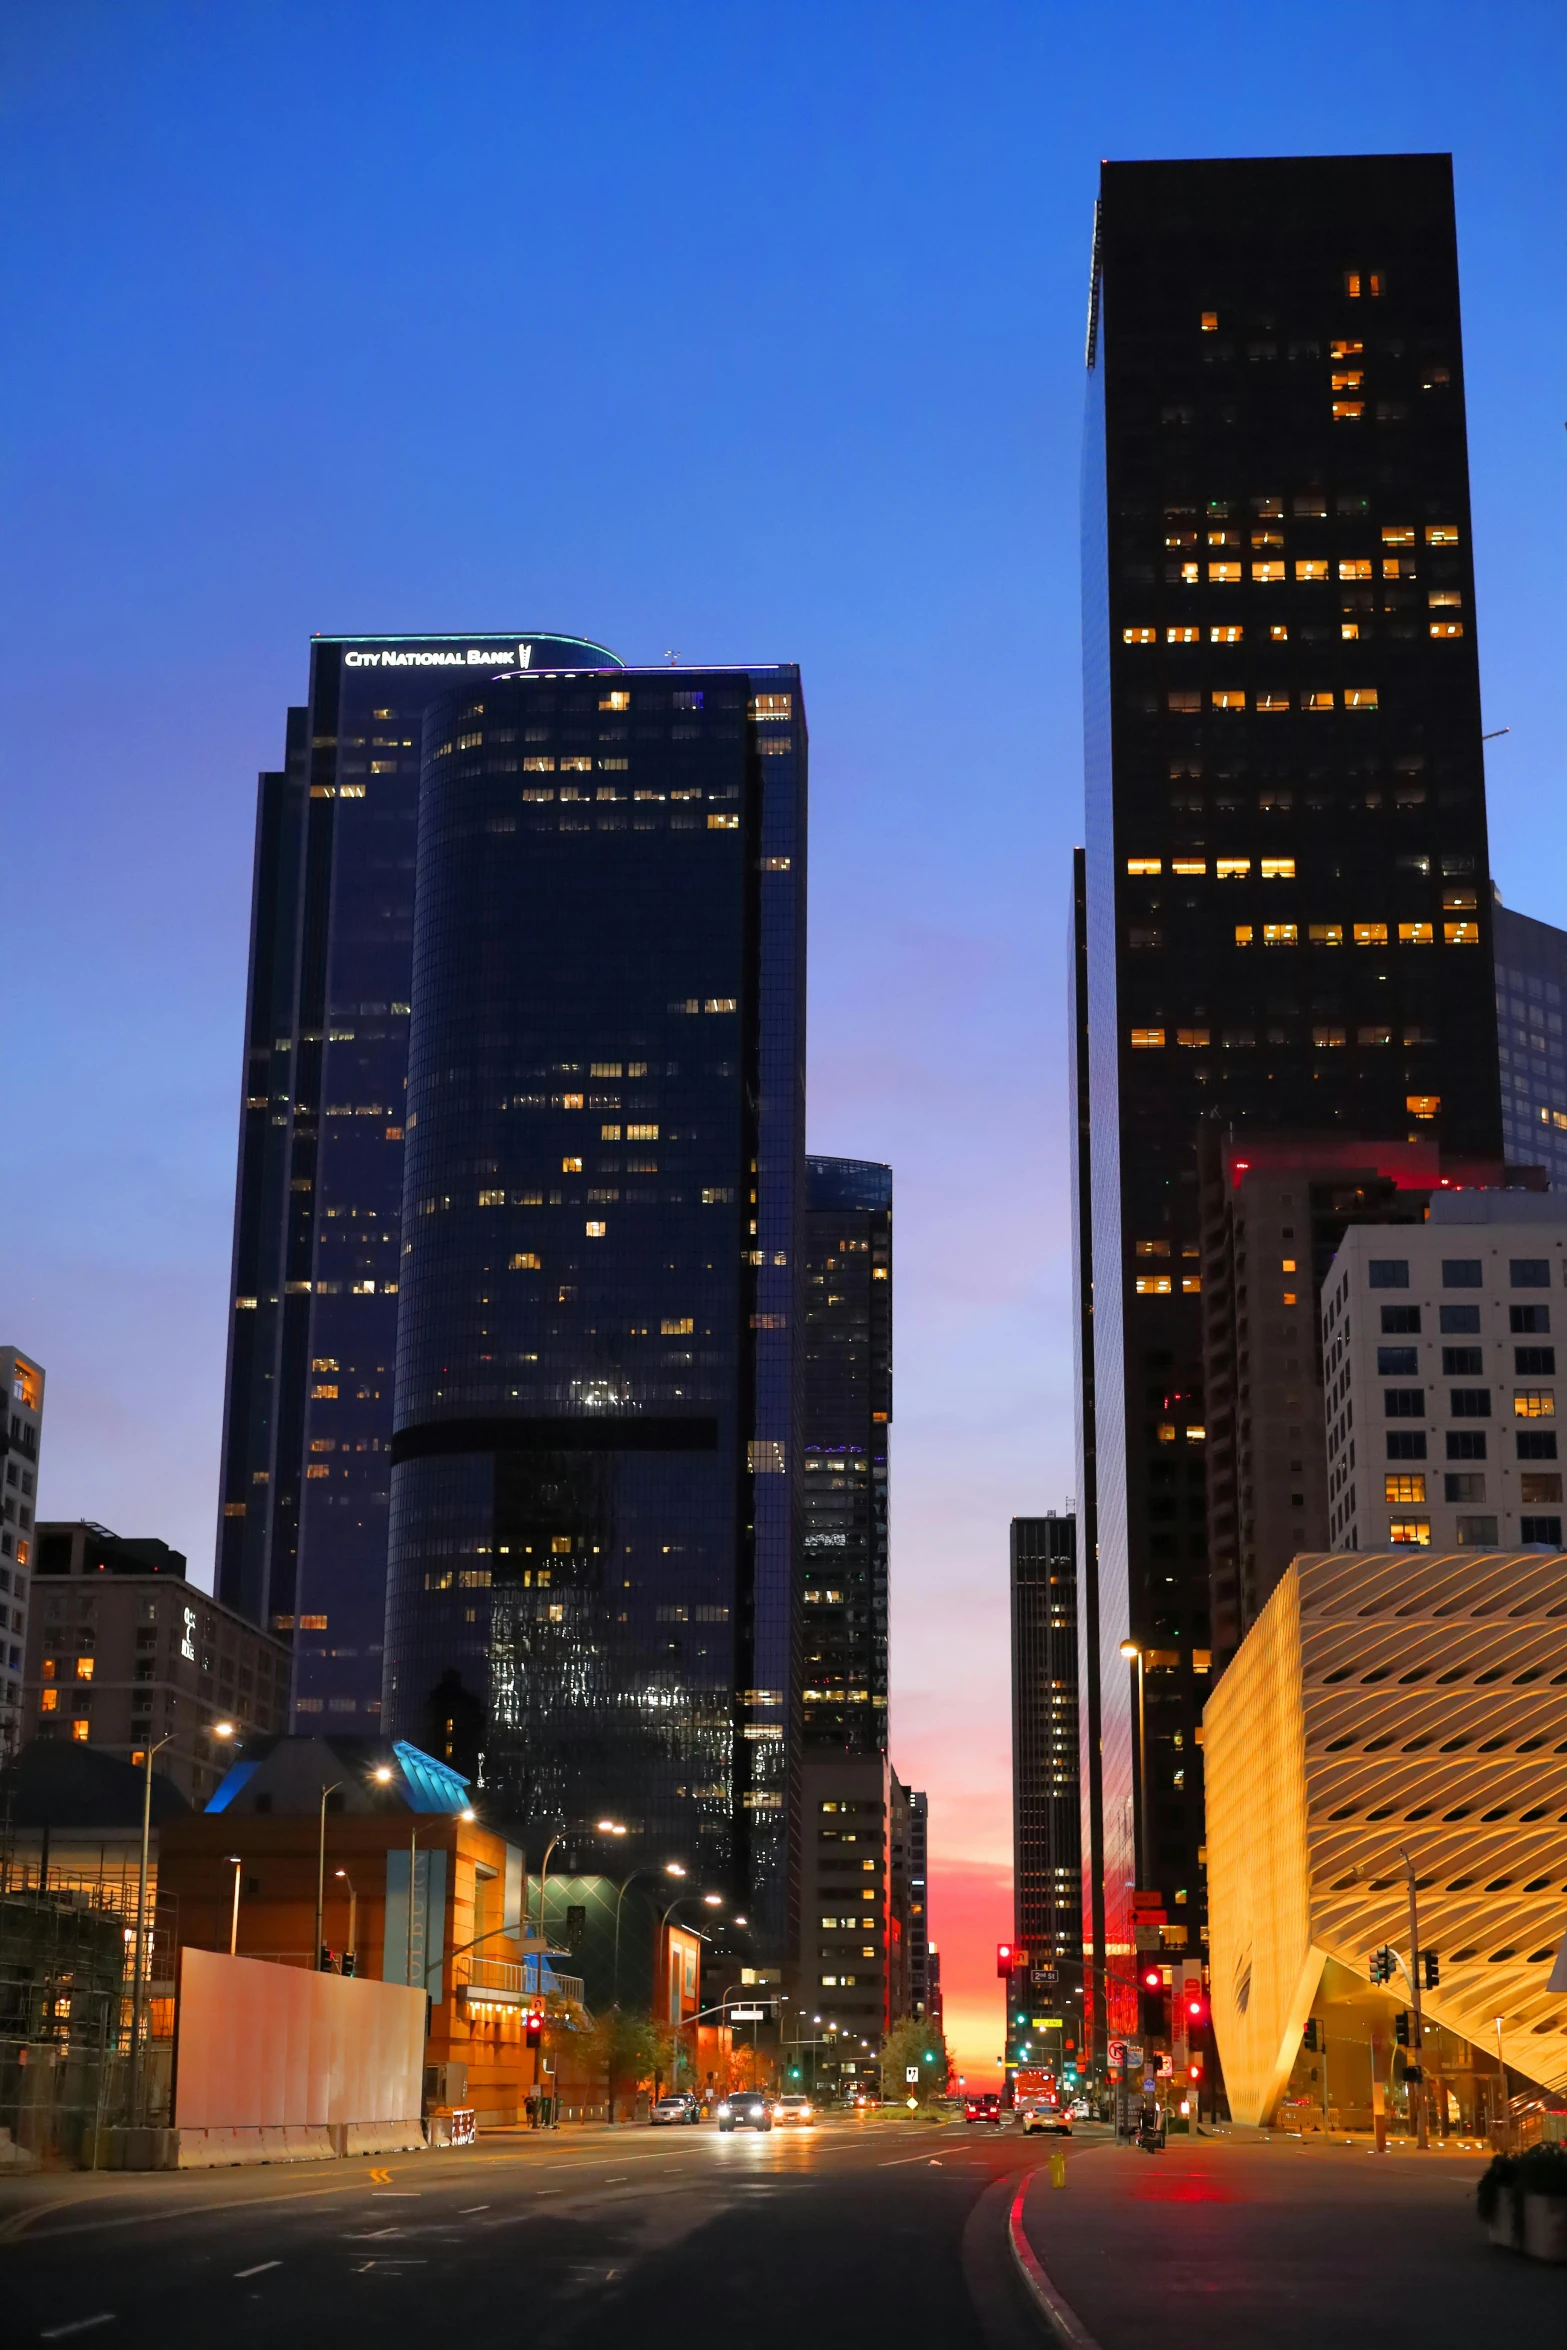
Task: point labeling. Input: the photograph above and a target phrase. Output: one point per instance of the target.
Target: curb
(1058, 2315)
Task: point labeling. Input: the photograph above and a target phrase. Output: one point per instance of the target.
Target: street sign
(911, 2072)
(745, 2015)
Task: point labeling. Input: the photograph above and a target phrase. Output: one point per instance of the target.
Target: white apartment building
(1439, 1371)
(21, 1432)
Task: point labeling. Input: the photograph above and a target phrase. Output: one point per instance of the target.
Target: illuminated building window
(1272, 698)
(1192, 867)
(1417, 934)
(1153, 1285)
(1147, 1040)
(1319, 698)
(1140, 636)
(1228, 634)
(1326, 934)
(1193, 1036)
(1534, 1403)
(1441, 534)
(1346, 412)
(1191, 1285)
(1224, 574)
(1447, 628)
(81, 1731)
(1228, 698)
(1280, 934)
(1183, 636)
(1461, 934)
(1210, 322)
(1371, 934)
(1278, 868)
(526, 1261)
(1355, 567)
(1231, 868)
(1267, 573)
(1405, 1489)
(1144, 865)
(1416, 1531)
(1153, 1248)
(1242, 939)
(1185, 702)
(1360, 697)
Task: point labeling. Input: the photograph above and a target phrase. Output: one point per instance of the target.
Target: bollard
(1058, 2168)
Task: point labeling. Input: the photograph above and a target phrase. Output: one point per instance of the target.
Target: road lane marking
(78, 2325)
(259, 2270)
(381, 2178)
(398, 2195)
(616, 2178)
(469, 2209)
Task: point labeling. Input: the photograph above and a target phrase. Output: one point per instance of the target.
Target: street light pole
(133, 2075)
(321, 1870)
(353, 1915)
(238, 1864)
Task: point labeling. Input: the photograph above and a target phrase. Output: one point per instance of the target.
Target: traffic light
(1309, 2039)
(1432, 1961)
(1151, 2012)
(348, 1962)
(1382, 1965)
(1005, 1955)
(1194, 2003)
(1401, 2027)
(533, 2024)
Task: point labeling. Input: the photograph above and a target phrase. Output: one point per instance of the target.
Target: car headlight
(723, 2111)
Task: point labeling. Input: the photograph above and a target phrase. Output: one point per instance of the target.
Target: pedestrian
(532, 2108)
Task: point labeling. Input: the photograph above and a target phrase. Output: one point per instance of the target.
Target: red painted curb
(1061, 2318)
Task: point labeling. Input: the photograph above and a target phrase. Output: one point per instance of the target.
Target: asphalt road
(853, 2233)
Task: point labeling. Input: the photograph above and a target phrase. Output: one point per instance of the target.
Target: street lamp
(133, 2081)
(236, 1864)
(600, 1828)
(1132, 1651)
(672, 1868)
(321, 1870)
(353, 1914)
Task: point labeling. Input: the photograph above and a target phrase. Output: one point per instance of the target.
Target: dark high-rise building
(1046, 1787)
(1288, 908)
(592, 1547)
(307, 1420)
(1531, 994)
(847, 1309)
(919, 1976)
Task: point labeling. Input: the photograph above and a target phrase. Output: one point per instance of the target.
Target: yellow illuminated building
(1382, 1703)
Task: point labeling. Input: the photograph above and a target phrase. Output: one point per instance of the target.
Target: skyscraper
(592, 1544)
(1287, 901)
(307, 1417)
(1531, 998)
(847, 1372)
(1046, 1794)
(21, 1433)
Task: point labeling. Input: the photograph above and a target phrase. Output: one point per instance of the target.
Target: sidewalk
(1219, 2244)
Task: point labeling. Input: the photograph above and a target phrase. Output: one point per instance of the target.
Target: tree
(921, 2045)
(630, 2050)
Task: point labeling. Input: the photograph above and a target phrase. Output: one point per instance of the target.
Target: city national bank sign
(446, 657)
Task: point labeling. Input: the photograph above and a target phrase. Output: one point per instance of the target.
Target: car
(983, 2109)
(745, 2109)
(1043, 2116)
(794, 2109)
(679, 2106)
(1082, 2110)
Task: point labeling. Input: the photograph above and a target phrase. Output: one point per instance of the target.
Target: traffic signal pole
(1422, 2131)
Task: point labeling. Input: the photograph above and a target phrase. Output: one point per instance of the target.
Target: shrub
(1543, 2171)
(1495, 2183)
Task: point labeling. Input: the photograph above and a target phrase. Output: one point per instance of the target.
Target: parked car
(679, 2106)
(794, 2109)
(1042, 2117)
(745, 2109)
(983, 2109)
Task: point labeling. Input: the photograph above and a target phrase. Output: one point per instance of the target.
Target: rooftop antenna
(671, 656)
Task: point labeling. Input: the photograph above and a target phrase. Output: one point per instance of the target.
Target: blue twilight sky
(756, 333)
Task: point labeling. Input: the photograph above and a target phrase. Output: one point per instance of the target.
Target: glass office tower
(1047, 1891)
(1288, 909)
(1531, 999)
(591, 1544)
(307, 1421)
(847, 1310)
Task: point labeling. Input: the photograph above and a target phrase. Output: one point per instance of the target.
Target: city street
(849, 2233)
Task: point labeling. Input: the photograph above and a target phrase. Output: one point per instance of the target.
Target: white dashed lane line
(259, 2270)
(78, 2325)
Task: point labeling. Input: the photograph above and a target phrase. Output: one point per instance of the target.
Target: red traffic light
(1153, 1978)
(1004, 1958)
